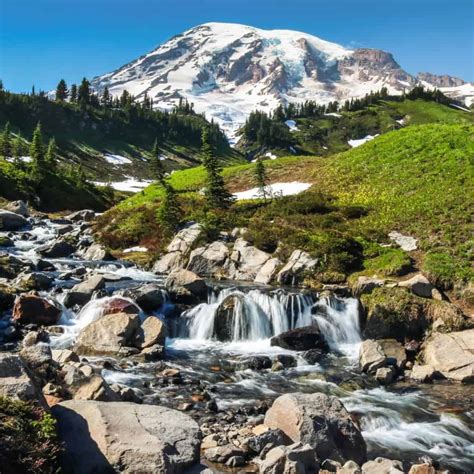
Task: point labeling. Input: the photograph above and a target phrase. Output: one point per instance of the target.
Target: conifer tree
(84, 92)
(73, 93)
(6, 142)
(261, 180)
(61, 90)
(17, 148)
(37, 153)
(216, 192)
(155, 163)
(105, 99)
(169, 213)
(51, 152)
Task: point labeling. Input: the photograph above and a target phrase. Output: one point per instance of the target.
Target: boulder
(419, 285)
(10, 221)
(394, 352)
(320, 421)
(116, 304)
(29, 308)
(301, 339)
(7, 297)
(452, 355)
(405, 242)
(270, 438)
(385, 375)
(371, 356)
(209, 260)
(246, 261)
(185, 238)
(5, 241)
(169, 262)
(107, 335)
(82, 293)
(18, 207)
(56, 249)
(85, 215)
(125, 437)
(151, 332)
(222, 454)
(184, 283)
(422, 373)
(95, 388)
(14, 379)
(149, 297)
(365, 285)
(97, 252)
(268, 271)
(382, 466)
(297, 458)
(63, 356)
(228, 312)
(38, 281)
(10, 266)
(424, 468)
(298, 263)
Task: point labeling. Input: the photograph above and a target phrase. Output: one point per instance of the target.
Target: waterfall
(238, 315)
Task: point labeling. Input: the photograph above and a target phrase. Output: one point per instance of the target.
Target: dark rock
(31, 308)
(269, 438)
(10, 221)
(57, 249)
(255, 363)
(301, 339)
(312, 356)
(148, 297)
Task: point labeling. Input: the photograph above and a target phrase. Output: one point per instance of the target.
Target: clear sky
(42, 41)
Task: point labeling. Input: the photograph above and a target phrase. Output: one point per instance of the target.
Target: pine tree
(261, 180)
(17, 149)
(155, 163)
(169, 213)
(51, 152)
(216, 192)
(105, 99)
(84, 92)
(61, 90)
(6, 142)
(37, 153)
(73, 93)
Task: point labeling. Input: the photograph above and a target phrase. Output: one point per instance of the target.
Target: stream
(403, 421)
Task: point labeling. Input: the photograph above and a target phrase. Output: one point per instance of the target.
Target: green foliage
(261, 179)
(385, 261)
(6, 142)
(61, 90)
(28, 441)
(155, 163)
(169, 213)
(444, 269)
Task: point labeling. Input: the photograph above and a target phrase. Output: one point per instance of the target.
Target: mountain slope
(229, 70)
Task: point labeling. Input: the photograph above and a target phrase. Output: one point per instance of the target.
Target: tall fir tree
(51, 152)
(169, 213)
(216, 192)
(73, 93)
(261, 180)
(37, 153)
(6, 142)
(61, 91)
(105, 98)
(84, 92)
(17, 149)
(155, 163)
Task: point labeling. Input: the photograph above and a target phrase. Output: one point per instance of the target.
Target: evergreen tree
(216, 192)
(169, 213)
(37, 153)
(261, 180)
(105, 99)
(73, 93)
(155, 163)
(17, 148)
(51, 152)
(6, 142)
(61, 90)
(84, 92)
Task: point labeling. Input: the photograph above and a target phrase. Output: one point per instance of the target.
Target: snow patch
(461, 108)
(356, 143)
(405, 242)
(24, 159)
(270, 155)
(333, 114)
(275, 189)
(117, 159)
(135, 249)
(132, 185)
(291, 124)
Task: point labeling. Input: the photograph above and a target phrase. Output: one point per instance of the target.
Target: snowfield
(276, 189)
(135, 249)
(356, 143)
(117, 159)
(291, 124)
(132, 185)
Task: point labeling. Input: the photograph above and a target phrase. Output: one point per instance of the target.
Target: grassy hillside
(330, 134)
(418, 180)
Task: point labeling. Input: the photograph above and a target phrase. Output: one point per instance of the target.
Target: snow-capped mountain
(229, 70)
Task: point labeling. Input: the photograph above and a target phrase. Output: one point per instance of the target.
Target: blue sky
(42, 41)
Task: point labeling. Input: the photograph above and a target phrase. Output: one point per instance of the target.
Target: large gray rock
(246, 261)
(97, 252)
(268, 271)
(84, 215)
(125, 437)
(298, 263)
(151, 332)
(185, 238)
(209, 260)
(371, 356)
(297, 458)
(365, 285)
(14, 379)
(419, 285)
(149, 297)
(108, 334)
(82, 293)
(186, 283)
(169, 262)
(18, 207)
(320, 421)
(56, 249)
(11, 221)
(452, 355)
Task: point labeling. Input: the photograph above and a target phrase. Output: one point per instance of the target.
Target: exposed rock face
(34, 281)
(209, 260)
(14, 380)
(97, 252)
(108, 334)
(82, 293)
(371, 356)
(299, 262)
(419, 285)
(11, 221)
(125, 437)
(151, 332)
(452, 355)
(85, 215)
(365, 285)
(185, 283)
(320, 421)
(301, 339)
(422, 373)
(246, 261)
(268, 271)
(169, 262)
(148, 297)
(18, 207)
(57, 249)
(440, 81)
(29, 308)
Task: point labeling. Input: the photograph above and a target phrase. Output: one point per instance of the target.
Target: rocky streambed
(171, 373)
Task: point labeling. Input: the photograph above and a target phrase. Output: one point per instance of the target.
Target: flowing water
(403, 421)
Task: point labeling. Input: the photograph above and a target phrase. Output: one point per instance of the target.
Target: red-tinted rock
(29, 308)
(120, 305)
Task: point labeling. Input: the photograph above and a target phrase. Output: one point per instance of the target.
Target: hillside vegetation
(418, 180)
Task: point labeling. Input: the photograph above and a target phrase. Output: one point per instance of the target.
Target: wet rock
(385, 375)
(14, 379)
(11, 266)
(82, 293)
(5, 241)
(34, 281)
(235, 461)
(120, 305)
(229, 309)
(419, 285)
(320, 421)
(270, 438)
(64, 229)
(301, 339)
(255, 363)
(45, 266)
(382, 466)
(286, 360)
(365, 285)
(422, 373)
(85, 215)
(18, 207)
(298, 263)
(394, 351)
(184, 283)
(126, 437)
(56, 249)
(371, 356)
(296, 458)
(209, 260)
(452, 355)
(153, 353)
(313, 356)
(97, 252)
(149, 297)
(6, 297)
(151, 332)
(29, 308)
(108, 334)
(10, 221)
